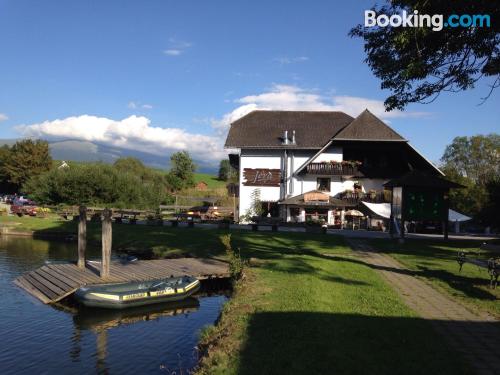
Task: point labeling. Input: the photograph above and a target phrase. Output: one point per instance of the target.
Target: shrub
(236, 264)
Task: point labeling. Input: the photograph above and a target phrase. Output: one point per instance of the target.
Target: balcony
(355, 197)
(333, 168)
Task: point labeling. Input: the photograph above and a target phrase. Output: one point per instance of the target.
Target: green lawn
(212, 181)
(52, 223)
(297, 311)
(435, 261)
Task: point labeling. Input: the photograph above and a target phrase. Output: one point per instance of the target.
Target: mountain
(71, 150)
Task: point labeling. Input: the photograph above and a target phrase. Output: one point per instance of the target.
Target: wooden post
(107, 235)
(235, 218)
(446, 199)
(82, 236)
(403, 217)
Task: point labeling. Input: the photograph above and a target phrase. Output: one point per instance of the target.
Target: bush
(236, 264)
(95, 184)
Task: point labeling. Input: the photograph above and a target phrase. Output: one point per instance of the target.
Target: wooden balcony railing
(355, 197)
(335, 169)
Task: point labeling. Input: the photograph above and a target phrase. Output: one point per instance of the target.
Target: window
(323, 184)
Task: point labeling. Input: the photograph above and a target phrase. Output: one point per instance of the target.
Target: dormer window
(323, 184)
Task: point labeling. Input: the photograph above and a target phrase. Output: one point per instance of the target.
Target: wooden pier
(53, 282)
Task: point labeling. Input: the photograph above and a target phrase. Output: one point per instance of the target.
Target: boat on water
(133, 294)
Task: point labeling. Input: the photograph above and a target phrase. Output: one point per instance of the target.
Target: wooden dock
(53, 282)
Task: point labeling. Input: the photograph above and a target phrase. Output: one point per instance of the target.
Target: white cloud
(135, 105)
(172, 52)
(176, 47)
(284, 60)
(133, 133)
(294, 98)
(354, 105)
(3, 117)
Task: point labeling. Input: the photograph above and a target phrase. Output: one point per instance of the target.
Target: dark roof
(298, 200)
(417, 178)
(264, 129)
(367, 127)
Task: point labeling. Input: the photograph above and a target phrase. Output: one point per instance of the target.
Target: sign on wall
(261, 177)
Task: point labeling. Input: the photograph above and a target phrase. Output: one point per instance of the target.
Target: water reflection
(99, 321)
(103, 319)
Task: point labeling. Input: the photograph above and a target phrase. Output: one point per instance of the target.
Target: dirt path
(475, 335)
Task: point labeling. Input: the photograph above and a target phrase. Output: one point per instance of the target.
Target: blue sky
(166, 75)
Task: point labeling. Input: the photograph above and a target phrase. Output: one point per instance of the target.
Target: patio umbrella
(354, 213)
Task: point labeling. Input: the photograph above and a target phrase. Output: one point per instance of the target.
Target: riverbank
(297, 311)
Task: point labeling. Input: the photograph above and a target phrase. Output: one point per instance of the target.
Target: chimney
(293, 137)
(285, 137)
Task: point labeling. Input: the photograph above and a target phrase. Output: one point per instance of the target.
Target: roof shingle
(367, 127)
(264, 129)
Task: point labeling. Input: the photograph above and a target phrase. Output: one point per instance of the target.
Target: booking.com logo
(436, 21)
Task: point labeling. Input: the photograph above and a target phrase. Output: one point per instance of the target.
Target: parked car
(26, 207)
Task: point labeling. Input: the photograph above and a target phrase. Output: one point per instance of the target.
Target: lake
(44, 339)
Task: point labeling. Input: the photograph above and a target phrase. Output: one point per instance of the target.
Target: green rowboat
(119, 296)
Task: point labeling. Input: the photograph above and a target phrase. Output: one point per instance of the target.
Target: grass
(297, 310)
(27, 223)
(435, 262)
(212, 181)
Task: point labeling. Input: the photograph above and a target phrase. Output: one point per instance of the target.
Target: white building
(299, 166)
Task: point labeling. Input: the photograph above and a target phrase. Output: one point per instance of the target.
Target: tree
(5, 186)
(417, 63)
(226, 171)
(130, 165)
(490, 213)
(25, 159)
(182, 169)
(476, 157)
(473, 162)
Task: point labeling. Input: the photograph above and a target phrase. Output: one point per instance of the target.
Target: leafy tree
(255, 209)
(476, 157)
(417, 64)
(130, 165)
(226, 171)
(5, 186)
(182, 169)
(25, 159)
(473, 162)
(490, 213)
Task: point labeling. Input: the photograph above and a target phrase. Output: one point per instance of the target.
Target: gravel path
(476, 335)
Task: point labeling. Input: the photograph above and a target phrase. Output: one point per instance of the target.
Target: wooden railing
(335, 169)
(355, 197)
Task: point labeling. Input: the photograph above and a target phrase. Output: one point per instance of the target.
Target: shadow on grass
(474, 287)
(431, 255)
(151, 241)
(322, 343)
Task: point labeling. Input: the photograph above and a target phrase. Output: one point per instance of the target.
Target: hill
(71, 150)
(211, 180)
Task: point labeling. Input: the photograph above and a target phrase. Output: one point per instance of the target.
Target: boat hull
(122, 296)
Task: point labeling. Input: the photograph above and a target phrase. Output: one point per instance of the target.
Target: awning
(384, 210)
(457, 216)
(380, 209)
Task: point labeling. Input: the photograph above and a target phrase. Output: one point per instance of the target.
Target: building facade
(299, 166)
